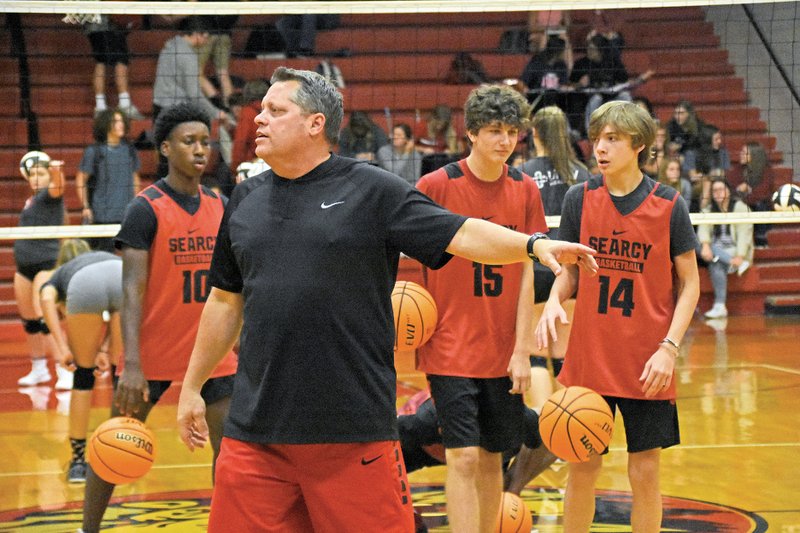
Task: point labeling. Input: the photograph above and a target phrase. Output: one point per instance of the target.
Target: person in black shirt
(35, 257)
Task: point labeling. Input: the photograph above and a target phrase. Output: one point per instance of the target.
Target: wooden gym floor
(737, 470)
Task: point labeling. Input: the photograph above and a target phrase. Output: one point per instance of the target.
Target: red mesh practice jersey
(477, 303)
(623, 312)
(177, 285)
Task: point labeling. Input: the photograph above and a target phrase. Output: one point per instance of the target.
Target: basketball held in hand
(121, 450)
(415, 315)
(575, 424)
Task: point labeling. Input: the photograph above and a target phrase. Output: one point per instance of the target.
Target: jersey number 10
(195, 286)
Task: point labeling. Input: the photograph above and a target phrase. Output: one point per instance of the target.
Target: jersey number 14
(620, 298)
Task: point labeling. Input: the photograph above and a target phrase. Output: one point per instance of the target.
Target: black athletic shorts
(213, 391)
(649, 424)
(29, 271)
(109, 47)
(477, 412)
(540, 361)
(543, 279)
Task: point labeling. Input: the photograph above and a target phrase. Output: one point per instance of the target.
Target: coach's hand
(554, 253)
(192, 425)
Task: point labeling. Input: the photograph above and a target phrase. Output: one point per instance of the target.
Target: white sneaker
(743, 267)
(717, 311)
(39, 374)
(65, 378)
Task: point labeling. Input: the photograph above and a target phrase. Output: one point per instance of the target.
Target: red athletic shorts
(324, 488)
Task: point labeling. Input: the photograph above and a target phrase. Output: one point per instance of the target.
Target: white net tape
(110, 230)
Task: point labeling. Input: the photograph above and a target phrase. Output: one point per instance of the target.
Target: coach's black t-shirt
(315, 259)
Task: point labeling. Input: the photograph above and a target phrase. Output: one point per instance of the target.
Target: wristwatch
(535, 237)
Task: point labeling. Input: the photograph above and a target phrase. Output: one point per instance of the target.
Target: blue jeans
(719, 269)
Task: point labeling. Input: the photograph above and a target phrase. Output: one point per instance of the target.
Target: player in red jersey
(167, 239)
(480, 351)
(630, 319)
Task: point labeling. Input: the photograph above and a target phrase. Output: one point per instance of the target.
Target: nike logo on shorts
(323, 205)
(365, 462)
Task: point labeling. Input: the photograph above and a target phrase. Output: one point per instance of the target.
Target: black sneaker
(77, 472)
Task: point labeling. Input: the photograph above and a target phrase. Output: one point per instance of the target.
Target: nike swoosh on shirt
(615, 232)
(323, 205)
(193, 230)
(365, 462)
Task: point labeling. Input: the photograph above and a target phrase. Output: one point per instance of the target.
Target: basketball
(575, 424)
(514, 515)
(415, 315)
(121, 450)
(787, 198)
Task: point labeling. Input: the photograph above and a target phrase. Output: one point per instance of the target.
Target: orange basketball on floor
(575, 424)
(415, 315)
(515, 517)
(121, 450)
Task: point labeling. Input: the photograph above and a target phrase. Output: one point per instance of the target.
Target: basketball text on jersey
(624, 251)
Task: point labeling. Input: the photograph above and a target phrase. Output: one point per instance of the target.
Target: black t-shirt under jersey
(315, 259)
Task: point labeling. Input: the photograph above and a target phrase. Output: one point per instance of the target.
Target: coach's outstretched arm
(486, 242)
(219, 328)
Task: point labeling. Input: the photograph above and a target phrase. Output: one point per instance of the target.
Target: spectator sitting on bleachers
(669, 173)
(684, 127)
(361, 138)
(662, 149)
(401, 156)
(438, 134)
(751, 178)
(752, 181)
(727, 248)
(603, 71)
(549, 68)
(710, 159)
(244, 136)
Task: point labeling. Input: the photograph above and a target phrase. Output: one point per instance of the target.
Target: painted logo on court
(681, 515)
(188, 511)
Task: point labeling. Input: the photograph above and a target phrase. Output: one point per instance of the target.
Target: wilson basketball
(121, 450)
(515, 517)
(575, 424)
(415, 315)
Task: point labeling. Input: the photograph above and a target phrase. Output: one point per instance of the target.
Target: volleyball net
(734, 61)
